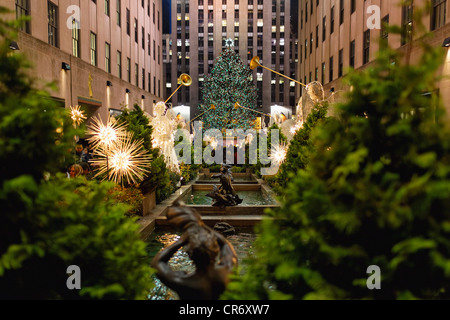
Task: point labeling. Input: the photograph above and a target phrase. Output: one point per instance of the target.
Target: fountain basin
(248, 214)
(239, 178)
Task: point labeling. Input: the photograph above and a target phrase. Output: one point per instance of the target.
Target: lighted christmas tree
(229, 81)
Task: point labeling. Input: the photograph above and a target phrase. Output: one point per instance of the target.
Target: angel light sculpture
(164, 126)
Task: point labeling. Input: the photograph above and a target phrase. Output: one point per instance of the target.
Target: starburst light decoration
(77, 115)
(126, 161)
(105, 135)
(278, 154)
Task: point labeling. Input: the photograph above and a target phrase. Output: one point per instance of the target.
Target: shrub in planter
(48, 222)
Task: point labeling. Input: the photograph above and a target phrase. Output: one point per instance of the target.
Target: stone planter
(149, 203)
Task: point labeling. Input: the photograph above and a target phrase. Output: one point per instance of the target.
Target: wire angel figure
(164, 126)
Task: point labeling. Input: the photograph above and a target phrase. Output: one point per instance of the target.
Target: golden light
(105, 135)
(125, 161)
(77, 115)
(278, 154)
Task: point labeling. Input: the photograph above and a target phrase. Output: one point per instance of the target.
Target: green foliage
(138, 124)
(46, 225)
(375, 192)
(299, 151)
(229, 81)
(131, 196)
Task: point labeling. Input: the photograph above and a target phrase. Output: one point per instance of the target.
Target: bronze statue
(203, 245)
(225, 195)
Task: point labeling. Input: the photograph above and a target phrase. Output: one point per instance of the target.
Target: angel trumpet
(237, 106)
(213, 107)
(255, 63)
(183, 80)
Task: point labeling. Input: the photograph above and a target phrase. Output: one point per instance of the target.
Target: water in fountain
(241, 241)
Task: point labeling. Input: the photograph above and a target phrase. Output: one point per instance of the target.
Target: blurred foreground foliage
(376, 191)
(49, 222)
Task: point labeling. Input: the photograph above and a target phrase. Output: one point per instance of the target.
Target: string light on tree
(229, 81)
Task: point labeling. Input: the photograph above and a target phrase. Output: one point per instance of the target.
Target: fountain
(169, 244)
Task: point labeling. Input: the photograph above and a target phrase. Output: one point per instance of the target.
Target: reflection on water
(242, 243)
(250, 198)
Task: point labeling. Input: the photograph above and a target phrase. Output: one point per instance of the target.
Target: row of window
(438, 20)
(93, 57)
(438, 17)
(23, 9)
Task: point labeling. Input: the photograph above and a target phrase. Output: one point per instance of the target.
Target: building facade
(199, 30)
(102, 54)
(337, 34)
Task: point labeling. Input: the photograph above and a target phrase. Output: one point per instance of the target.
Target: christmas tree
(229, 81)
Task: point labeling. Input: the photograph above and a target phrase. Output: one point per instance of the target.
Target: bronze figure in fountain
(225, 195)
(214, 257)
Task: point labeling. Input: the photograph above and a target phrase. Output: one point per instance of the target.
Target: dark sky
(167, 8)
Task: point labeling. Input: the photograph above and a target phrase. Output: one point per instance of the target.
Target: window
(353, 6)
(331, 68)
(93, 49)
(324, 28)
(75, 38)
(352, 53)
(384, 32)
(332, 20)
(119, 64)
(52, 24)
(143, 78)
(107, 57)
(159, 55)
(118, 13)
(23, 10)
(366, 48)
(143, 38)
(128, 22)
(341, 12)
(317, 36)
(129, 70)
(438, 14)
(136, 30)
(154, 9)
(136, 74)
(341, 63)
(323, 73)
(107, 7)
(407, 23)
